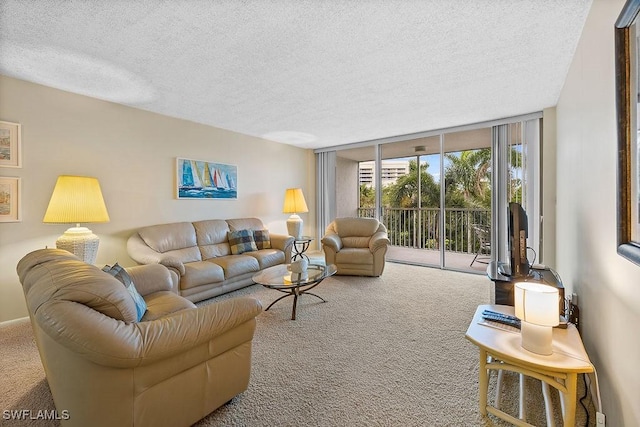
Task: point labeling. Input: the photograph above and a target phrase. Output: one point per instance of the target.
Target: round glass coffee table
(280, 278)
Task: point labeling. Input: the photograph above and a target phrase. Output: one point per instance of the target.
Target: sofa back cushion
(52, 276)
(245, 224)
(356, 227)
(177, 239)
(212, 239)
(356, 232)
(168, 237)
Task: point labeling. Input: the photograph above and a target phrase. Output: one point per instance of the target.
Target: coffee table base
(295, 292)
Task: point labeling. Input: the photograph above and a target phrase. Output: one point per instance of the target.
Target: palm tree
(404, 192)
(367, 196)
(467, 179)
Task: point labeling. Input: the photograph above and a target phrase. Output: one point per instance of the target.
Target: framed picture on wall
(10, 145)
(10, 199)
(199, 179)
(627, 38)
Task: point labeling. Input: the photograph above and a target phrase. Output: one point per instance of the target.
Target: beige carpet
(386, 351)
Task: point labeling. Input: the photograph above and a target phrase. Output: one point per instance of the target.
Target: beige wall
(608, 286)
(133, 154)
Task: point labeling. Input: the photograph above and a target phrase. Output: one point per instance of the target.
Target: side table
(300, 246)
(500, 349)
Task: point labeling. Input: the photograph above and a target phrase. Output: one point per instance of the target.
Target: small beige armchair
(357, 246)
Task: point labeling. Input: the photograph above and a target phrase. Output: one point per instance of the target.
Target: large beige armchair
(106, 368)
(357, 246)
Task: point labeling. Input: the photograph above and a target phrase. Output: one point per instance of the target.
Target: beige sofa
(172, 368)
(357, 246)
(200, 254)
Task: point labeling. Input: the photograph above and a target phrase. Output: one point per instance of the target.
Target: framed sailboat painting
(199, 179)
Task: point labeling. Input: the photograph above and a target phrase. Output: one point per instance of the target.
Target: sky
(434, 163)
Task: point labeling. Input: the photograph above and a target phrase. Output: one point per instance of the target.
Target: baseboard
(592, 390)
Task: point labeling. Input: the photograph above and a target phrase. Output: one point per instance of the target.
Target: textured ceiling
(309, 73)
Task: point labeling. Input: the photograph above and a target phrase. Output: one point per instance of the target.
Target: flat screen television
(518, 233)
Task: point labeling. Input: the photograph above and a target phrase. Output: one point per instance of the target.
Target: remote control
(495, 313)
(501, 319)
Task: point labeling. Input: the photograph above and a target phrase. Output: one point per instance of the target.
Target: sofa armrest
(280, 241)
(379, 240)
(153, 278)
(112, 342)
(333, 241)
(284, 243)
(143, 254)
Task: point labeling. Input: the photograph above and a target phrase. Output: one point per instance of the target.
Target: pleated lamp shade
(294, 203)
(77, 199)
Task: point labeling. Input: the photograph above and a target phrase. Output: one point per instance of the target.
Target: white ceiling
(309, 73)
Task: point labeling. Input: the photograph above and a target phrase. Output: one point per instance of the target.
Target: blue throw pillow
(121, 274)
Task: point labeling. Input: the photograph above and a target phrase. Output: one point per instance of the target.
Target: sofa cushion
(356, 242)
(241, 241)
(262, 239)
(160, 304)
(268, 257)
(236, 265)
(201, 273)
(119, 273)
(168, 237)
(212, 237)
(354, 256)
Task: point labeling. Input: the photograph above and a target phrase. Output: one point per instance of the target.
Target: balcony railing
(419, 228)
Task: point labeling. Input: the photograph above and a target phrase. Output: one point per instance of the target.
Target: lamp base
(81, 242)
(536, 339)
(294, 226)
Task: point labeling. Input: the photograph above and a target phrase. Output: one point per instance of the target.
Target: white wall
(133, 154)
(608, 286)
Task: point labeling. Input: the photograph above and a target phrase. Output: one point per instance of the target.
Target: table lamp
(77, 199)
(294, 203)
(536, 305)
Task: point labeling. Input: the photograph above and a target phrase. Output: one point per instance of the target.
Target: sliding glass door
(444, 197)
(410, 205)
(467, 199)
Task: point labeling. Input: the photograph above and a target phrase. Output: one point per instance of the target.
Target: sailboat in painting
(190, 179)
(206, 180)
(220, 181)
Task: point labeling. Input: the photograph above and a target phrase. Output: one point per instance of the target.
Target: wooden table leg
(483, 382)
(498, 400)
(570, 398)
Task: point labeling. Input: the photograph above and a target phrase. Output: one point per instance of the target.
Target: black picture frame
(626, 98)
